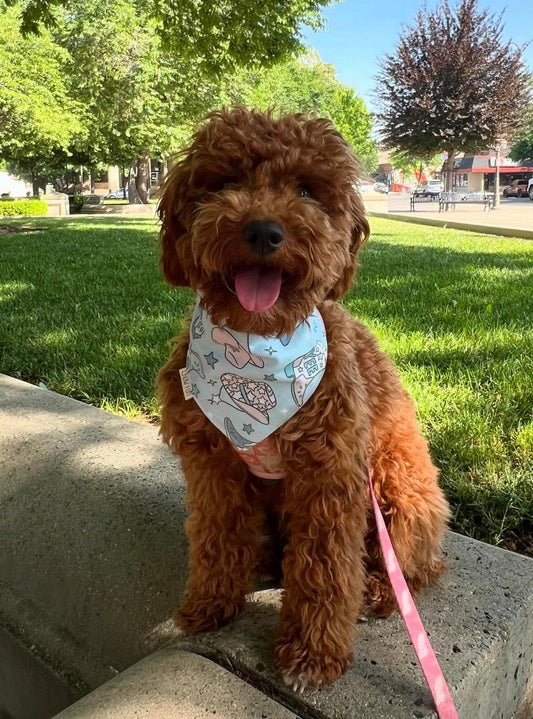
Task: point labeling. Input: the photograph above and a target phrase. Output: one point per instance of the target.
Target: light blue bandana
(248, 385)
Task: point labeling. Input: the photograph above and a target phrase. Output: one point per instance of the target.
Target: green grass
(83, 309)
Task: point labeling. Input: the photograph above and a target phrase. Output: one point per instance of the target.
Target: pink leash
(419, 638)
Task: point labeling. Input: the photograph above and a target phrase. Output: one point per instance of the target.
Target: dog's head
(261, 217)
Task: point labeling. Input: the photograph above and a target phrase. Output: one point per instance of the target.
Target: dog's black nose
(263, 236)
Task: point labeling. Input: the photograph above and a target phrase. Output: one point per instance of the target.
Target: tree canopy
(522, 150)
(37, 120)
(218, 35)
(452, 83)
(308, 85)
(123, 94)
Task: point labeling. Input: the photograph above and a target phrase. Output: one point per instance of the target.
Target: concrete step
(94, 560)
(175, 684)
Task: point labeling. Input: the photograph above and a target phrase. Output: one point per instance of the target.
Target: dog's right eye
(303, 191)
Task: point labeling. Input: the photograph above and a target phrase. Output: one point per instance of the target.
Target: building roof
(487, 163)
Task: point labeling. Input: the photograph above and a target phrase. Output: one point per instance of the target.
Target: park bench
(421, 199)
(449, 200)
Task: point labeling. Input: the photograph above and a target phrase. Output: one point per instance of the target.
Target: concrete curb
(456, 225)
(94, 561)
(93, 552)
(175, 684)
(149, 210)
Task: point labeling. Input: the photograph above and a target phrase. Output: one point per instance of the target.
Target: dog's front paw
(302, 668)
(205, 614)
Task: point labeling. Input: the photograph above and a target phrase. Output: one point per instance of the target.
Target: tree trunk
(133, 195)
(139, 180)
(450, 163)
(34, 183)
(143, 180)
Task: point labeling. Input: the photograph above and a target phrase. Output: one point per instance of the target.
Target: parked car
(517, 188)
(364, 186)
(530, 188)
(381, 187)
(429, 188)
(120, 194)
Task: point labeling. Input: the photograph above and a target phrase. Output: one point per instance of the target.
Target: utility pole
(497, 174)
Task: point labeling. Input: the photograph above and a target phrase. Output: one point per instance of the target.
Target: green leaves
(37, 115)
(308, 85)
(220, 36)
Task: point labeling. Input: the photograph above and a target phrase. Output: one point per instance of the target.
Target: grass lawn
(83, 309)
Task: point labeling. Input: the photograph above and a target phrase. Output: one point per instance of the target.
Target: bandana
(248, 385)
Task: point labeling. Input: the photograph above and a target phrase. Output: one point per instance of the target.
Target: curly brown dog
(260, 217)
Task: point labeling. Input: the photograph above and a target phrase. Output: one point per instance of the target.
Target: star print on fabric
(270, 378)
(212, 382)
(284, 410)
(194, 390)
(215, 399)
(270, 350)
(211, 360)
(247, 428)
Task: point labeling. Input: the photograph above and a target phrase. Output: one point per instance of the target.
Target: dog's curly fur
(244, 166)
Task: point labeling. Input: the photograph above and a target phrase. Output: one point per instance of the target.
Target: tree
(37, 119)
(452, 85)
(522, 150)
(145, 72)
(135, 95)
(418, 167)
(308, 85)
(220, 36)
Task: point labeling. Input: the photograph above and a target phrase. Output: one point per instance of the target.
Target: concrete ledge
(173, 684)
(94, 561)
(149, 210)
(93, 547)
(419, 219)
(481, 626)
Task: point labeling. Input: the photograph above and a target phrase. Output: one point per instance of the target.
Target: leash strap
(419, 638)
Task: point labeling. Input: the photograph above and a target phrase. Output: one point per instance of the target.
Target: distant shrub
(75, 203)
(22, 208)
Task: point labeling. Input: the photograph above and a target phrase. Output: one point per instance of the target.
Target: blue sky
(358, 33)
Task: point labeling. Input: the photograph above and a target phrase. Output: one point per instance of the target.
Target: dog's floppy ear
(173, 213)
(360, 231)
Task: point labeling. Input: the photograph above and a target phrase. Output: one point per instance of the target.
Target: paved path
(514, 217)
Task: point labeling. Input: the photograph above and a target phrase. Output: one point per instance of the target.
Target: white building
(12, 186)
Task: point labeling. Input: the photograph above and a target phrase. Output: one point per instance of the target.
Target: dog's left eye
(218, 184)
(304, 191)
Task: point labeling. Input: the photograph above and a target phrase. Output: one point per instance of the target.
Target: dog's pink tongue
(258, 287)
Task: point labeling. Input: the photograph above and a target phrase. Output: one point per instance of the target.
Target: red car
(517, 188)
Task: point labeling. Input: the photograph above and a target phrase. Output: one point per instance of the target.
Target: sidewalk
(514, 217)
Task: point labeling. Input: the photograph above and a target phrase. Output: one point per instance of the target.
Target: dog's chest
(263, 460)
